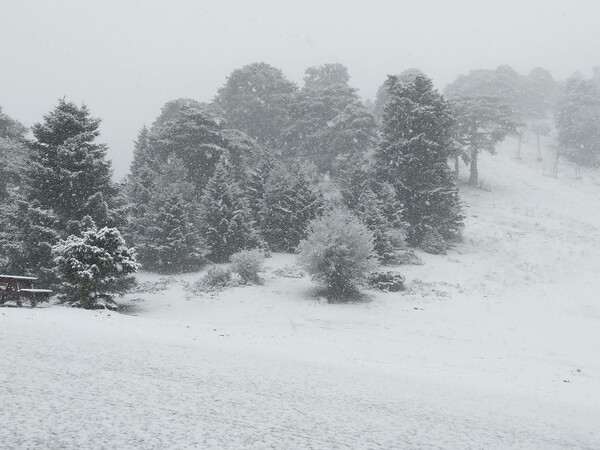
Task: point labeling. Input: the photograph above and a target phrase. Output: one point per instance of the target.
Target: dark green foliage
(96, 263)
(367, 198)
(67, 167)
(167, 239)
(329, 125)
(27, 234)
(387, 281)
(289, 204)
(416, 134)
(225, 218)
(338, 253)
(433, 243)
(13, 157)
(578, 121)
(255, 100)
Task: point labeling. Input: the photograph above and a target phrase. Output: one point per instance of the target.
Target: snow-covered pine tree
(417, 130)
(254, 188)
(289, 204)
(225, 219)
(67, 167)
(94, 264)
(27, 234)
(168, 240)
(375, 205)
(328, 122)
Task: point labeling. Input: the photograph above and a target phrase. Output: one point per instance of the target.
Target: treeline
(255, 166)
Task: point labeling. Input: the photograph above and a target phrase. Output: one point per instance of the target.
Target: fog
(126, 59)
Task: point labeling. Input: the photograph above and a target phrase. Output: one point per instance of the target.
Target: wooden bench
(17, 287)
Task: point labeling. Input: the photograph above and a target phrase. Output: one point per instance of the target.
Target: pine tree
(578, 122)
(416, 143)
(67, 167)
(375, 204)
(168, 240)
(256, 100)
(328, 123)
(27, 234)
(96, 263)
(289, 204)
(225, 218)
(255, 186)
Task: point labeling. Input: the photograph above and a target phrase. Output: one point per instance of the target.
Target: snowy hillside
(495, 345)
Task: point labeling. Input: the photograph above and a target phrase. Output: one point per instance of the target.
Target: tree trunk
(474, 177)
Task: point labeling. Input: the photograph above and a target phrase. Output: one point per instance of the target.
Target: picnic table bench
(18, 287)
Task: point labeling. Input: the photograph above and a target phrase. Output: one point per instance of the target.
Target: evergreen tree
(329, 124)
(481, 123)
(374, 203)
(578, 121)
(255, 187)
(195, 134)
(13, 157)
(67, 167)
(225, 218)
(27, 234)
(96, 263)
(416, 133)
(289, 204)
(168, 240)
(255, 100)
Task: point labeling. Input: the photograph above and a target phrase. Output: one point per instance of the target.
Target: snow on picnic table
(496, 345)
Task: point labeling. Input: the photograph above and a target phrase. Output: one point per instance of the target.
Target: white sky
(125, 59)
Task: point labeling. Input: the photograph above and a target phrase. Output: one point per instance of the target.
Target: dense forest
(272, 166)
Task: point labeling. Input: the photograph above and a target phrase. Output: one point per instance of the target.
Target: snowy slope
(496, 345)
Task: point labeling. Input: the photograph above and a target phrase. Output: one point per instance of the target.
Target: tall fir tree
(289, 204)
(417, 131)
(225, 219)
(168, 240)
(27, 234)
(67, 167)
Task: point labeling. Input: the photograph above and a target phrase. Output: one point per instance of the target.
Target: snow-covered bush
(433, 243)
(387, 281)
(247, 264)
(216, 278)
(338, 252)
(94, 265)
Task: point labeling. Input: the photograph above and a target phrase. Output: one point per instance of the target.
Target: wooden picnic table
(18, 287)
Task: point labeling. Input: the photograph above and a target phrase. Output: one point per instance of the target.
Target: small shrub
(247, 264)
(433, 243)
(387, 281)
(216, 278)
(409, 258)
(338, 252)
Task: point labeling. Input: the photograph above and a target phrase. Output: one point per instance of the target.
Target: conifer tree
(225, 218)
(416, 143)
(168, 240)
(96, 263)
(67, 166)
(27, 234)
(289, 204)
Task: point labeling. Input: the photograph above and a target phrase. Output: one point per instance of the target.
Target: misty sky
(125, 59)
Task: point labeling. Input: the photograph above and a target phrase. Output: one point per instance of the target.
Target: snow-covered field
(495, 345)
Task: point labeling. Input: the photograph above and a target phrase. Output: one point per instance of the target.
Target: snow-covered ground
(496, 345)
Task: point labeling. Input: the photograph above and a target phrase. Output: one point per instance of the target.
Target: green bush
(247, 264)
(216, 278)
(338, 253)
(387, 281)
